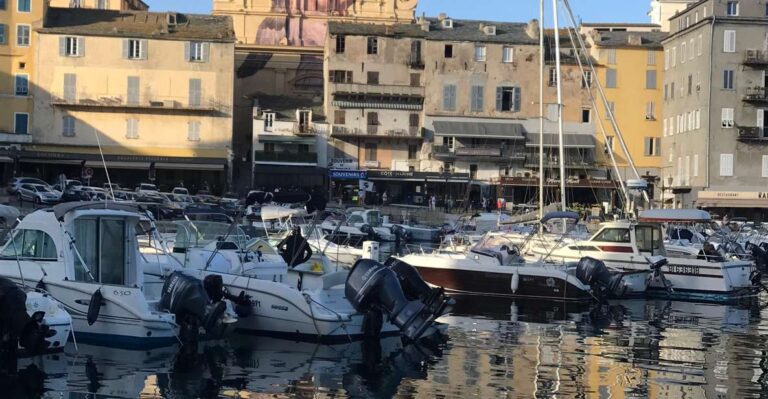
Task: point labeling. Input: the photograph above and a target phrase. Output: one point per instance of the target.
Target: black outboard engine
(603, 282)
(415, 288)
(294, 248)
(185, 297)
(17, 328)
(759, 256)
(214, 287)
(372, 286)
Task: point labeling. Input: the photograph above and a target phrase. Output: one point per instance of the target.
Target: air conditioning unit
(752, 53)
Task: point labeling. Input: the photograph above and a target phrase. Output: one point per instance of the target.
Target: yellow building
(154, 90)
(18, 20)
(630, 69)
(117, 5)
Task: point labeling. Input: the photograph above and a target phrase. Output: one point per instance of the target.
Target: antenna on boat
(104, 162)
(541, 110)
(559, 110)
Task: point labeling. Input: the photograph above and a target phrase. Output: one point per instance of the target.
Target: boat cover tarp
(674, 215)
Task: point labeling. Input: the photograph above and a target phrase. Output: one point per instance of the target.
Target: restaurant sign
(741, 195)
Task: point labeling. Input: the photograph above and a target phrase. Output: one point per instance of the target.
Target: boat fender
(94, 307)
(515, 283)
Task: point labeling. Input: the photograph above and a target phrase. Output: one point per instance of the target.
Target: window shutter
(81, 46)
(206, 51)
(695, 165)
(656, 146)
(726, 165)
(760, 120)
(516, 93)
(62, 46)
(647, 146)
(499, 95)
(144, 49)
(126, 48)
(188, 52)
(765, 166)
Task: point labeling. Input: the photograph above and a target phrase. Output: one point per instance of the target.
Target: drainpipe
(709, 120)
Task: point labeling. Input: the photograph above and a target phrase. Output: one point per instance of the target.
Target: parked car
(37, 193)
(123, 195)
(76, 184)
(13, 185)
(73, 191)
(94, 193)
(160, 206)
(111, 187)
(180, 191)
(146, 188)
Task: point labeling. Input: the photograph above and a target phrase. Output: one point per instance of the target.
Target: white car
(147, 189)
(16, 182)
(95, 193)
(37, 193)
(180, 191)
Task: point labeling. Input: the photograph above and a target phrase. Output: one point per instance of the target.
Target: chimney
(423, 23)
(441, 16)
(532, 30)
(634, 40)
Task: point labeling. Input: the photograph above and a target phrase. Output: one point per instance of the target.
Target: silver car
(16, 182)
(37, 193)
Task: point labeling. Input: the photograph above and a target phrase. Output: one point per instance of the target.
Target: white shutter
(726, 165)
(687, 179)
(679, 172)
(696, 165)
(760, 119)
(729, 41)
(698, 119)
(765, 166)
(665, 127)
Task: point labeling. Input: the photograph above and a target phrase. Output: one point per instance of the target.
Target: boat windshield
(650, 239)
(492, 243)
(197, 234)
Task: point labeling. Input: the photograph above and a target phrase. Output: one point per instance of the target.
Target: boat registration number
(681, 269)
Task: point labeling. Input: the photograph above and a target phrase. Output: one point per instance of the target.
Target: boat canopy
(272, 212)
(674, 215)
(559, 215)
(60, 210)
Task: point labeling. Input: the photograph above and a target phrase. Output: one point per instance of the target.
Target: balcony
(376, 131)
(415, 62)
(494, 153)
(756, 95)
(752, 133)
(383, 90)
(285, 157)
(14, 138)
(144, 103)
(756, 58)
(570, 163)
(297, 129)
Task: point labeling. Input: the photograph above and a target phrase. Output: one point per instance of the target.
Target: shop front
(415, 188)
(586, 192)
(749, 204)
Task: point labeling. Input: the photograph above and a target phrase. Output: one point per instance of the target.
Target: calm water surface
(490, 349)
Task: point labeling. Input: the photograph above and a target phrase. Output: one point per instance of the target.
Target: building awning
(189, 166)
(52, 161)
(277, 138)
(377, 105)
(735, 203)
(569, 140)
(500, 130)
(118, 165)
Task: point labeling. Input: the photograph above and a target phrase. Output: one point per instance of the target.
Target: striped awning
(377, 105)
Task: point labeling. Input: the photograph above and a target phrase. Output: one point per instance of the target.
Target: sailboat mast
(541, 109)
(559, 107)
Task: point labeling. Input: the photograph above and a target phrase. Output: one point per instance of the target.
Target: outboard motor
(214, 287)
(594, 273)
(415, 288)
(372, 286)
(759, 256)
(17, 327)
(185, 297)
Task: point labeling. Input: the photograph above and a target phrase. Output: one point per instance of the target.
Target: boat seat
(334, 279)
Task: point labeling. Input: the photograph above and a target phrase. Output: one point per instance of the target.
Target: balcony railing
(297, 128)
(570, 163)
(756, 94)
(389, 90)
(752, 133)
(442, 151)
(756, 57)
(377, 131)
(145, 101)
(415, 62)
(285, 157)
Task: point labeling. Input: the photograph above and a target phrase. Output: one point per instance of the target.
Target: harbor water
(489, 349)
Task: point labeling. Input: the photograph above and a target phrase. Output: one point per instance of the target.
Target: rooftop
(630, 39)
(138, 24)
(285, 107)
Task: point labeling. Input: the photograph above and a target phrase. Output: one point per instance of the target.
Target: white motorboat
(494, 267)
(371, 218)
(85, 256)
(629, 245)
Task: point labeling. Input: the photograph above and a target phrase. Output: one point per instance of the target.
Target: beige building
(154, 90)
(117, 5)
(279, 51)
(662, 11)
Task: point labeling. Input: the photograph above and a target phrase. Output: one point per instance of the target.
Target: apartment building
(18, 20)
(630, 69)
(152, 90)
(662, 11)
(279, 51)
(117, 5)
(715, 99)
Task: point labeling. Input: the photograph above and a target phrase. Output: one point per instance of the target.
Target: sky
(493, 10)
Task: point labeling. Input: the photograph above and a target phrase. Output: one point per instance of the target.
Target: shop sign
(742, 195)
(343, 164)
(347, 174)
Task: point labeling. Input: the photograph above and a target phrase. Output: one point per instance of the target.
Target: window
(70, 87)
(651, 57)
(449, 98)
(507, 54)
(696, 17)
(413, 151)
(608, 143)
(586, 80)
(21, 84)
(2, 5)
(695, 165)
(339, 117)
(413, 120)
(611, 110)
(553, 76)
(586, 115)
(729, 41)
(690, 84)
(673, 56)
(269, 147)
(373, 45)
(133, 90)
(76, 3)
(373, 119)
(613, 235)
(21, 123)
(683, 53)
(727, 118)
(193, 131)
(448, 51)
(476, 100)
(610, 78)
(508, 98)
(553, 112)
(340, 76)
(341, 44)
(666, 59)
(650, 79)
(197, 51)
(269, 121)
(23, 5)
(132, 128)
(650, 111)
(135, 49)
(726, 165)
(22, 35)
(30, 244)
(101, 244)
(70, 46)
(371, 150)
(691, 49)
(672, 90)
(415, 79)
(373, 78)
(68, 126)
(766, 10)
(195, 92)
(480, 53)
(650, 240)
(415, 60)
(652, 147)
(697, 118)
(666, 127)
(666, 91)
(764, 166)
(611, 56)
(3, 33)
(732, 8)
(728, 79)
(102, 4)
(699, 44)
